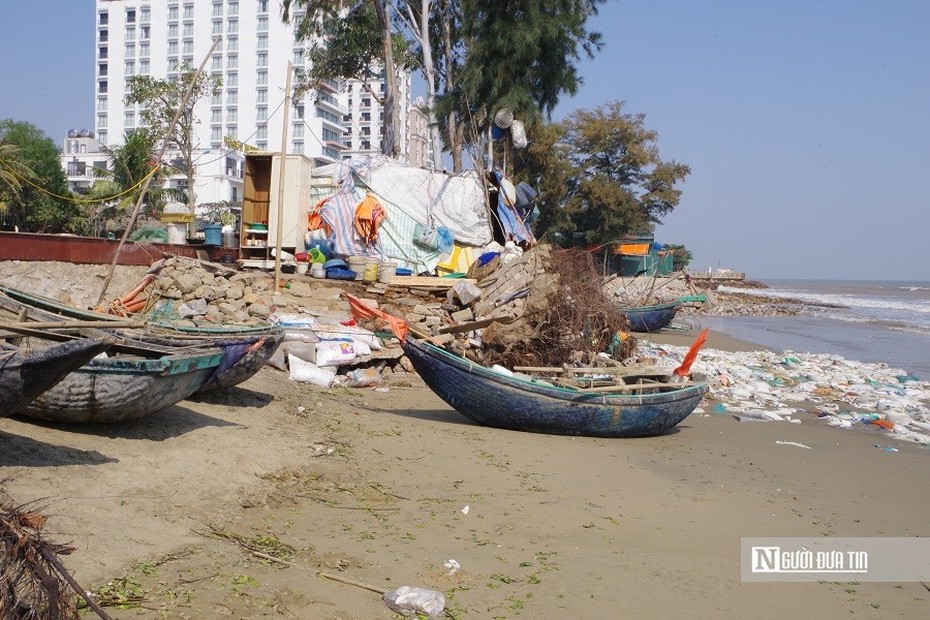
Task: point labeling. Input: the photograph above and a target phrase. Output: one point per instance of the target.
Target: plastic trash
(886, 448)
(363, 377)
(792, 443)
(453, 567)
(410, 601)
(308, 372)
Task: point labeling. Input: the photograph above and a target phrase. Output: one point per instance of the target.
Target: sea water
(868, 321)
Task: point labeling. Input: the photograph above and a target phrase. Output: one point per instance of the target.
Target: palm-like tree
(11, 172)
(118, 187)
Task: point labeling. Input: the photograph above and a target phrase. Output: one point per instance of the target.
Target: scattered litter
(719, 408)
(465, 510)
(453, 567)
(410, 601)
(382, 389)
(886, 448)
(792, 443)
(794, 421)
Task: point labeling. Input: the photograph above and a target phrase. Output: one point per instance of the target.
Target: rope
(72, 198)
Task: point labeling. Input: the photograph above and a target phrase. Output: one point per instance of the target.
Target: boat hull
(493, 399)
(117, 390)
(26, 373)
(647, 319)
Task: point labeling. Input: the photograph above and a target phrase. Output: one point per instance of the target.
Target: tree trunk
(389, 143)
(452, 124)
(429, 74)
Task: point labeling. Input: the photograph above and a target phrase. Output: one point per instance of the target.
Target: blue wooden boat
(25, 373)
(651, 318)
(245, 348)
(494, 399)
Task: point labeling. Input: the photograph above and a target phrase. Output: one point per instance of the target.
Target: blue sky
(806, 123)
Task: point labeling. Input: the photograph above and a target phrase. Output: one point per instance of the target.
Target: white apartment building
(80, 154)
(156, 37)
(364, 119)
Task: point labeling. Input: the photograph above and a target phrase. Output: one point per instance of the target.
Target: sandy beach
(386, 487)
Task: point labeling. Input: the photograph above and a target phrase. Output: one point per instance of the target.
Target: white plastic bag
(334, 352)
(363, 377)
(409, 601)
(308, 372)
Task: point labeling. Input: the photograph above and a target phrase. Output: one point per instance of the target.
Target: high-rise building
(364, 119)
(158, 37)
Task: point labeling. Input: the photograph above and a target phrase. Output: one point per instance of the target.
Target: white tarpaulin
(429, 198)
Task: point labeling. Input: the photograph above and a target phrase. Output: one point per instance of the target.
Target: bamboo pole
(280, 215)
(165, 141)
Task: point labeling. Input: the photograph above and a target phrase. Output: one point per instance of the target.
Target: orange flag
(359, 310)
(685, 368)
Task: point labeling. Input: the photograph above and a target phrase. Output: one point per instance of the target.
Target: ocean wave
(914, 288)
(836, 300)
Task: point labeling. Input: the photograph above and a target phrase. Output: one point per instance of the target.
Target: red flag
(685, 368)
(359, 310)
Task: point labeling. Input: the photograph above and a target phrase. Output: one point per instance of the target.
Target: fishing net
(567, 319)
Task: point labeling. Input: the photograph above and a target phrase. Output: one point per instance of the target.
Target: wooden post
(165, 141)
(284, 132)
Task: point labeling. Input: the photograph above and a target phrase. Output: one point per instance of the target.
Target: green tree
(681, 256)
(161, 98)
(43, 203)
(117, 188)
(602, 175)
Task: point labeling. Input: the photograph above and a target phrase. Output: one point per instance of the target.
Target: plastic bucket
(317, 270)
(386, 271)
(213, 234)
(316, 256)
(371, 272)
(177, 234)
(357, 264)
(302, 268)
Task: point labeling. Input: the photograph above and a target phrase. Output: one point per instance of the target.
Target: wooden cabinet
(260, 206)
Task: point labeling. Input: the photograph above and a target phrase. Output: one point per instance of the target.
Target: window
(188, 29)
(232, 115)
(232, 97)
(297, 146)
(216, 116)
(145, 15)
(261, 60)
(101, 120)
(299, 56)
(261, 96)
(233, 8)
(261, 78)
(299, 111)
(216, 134)
(217, 27)
(366, 102)
(172, 48)
(262, 133)
(366, 145)
(263, 24)
(262, 146)
(145, 32)
(104, 36)
(232, 131)
(217, 99)
(331, 136)
(233, 44)
(232, 80)
(232, 62)
(217, 9)
(172, 31)
(130, 67)
(261, 113)
(130, 16)
(172, 64)
(366, 131)
(129, 119)
(262, 6)
(172, 12)
(101, 103)
(297, 131)
(232, 26)
(188, 60)
(130, 51)
(217, 63)
(262, 42)
(144, 67)
(144, 49)
(188, 11)
(102, 52)
(104, 19)
(188, 46)
(131, 33)
(366, 117)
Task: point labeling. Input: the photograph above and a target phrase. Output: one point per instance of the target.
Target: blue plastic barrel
(213, 234)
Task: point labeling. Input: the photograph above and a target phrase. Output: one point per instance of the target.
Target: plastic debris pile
(767, 386)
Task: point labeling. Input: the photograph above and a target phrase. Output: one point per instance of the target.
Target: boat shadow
(168, 423)
(21, 451)
(234, 397)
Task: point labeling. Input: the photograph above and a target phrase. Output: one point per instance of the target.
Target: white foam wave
(849, 301)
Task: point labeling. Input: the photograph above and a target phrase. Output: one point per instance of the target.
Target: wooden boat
(245, 348)
(650, 318)
(25, 373)
(494, 399)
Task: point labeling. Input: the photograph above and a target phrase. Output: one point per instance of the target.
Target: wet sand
(373, 487)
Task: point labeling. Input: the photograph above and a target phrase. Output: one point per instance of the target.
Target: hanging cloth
(315, 219)
(368, 215)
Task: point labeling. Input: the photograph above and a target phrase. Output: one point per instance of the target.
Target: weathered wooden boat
(25, 373)
(125, 387)
(245, 348)
(494, 399)
(651, 318)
